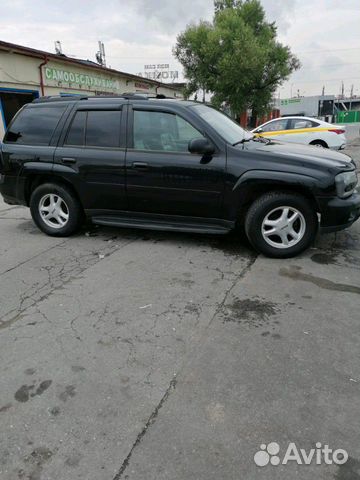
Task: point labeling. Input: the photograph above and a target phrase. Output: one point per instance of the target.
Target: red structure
(247, 122)
(275, 113)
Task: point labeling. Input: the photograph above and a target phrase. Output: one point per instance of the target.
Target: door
(93, 155)
(303, 130)
(163, 177)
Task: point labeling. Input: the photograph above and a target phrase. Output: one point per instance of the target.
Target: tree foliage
(237, 57)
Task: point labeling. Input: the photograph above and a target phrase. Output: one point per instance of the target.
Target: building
(327, 107)
(26, 73)
(315, 106)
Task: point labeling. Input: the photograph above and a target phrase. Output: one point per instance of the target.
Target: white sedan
(309, 131)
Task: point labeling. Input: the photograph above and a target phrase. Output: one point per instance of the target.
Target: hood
(323, 157)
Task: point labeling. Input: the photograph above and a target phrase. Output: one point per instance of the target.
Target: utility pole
(323, 90)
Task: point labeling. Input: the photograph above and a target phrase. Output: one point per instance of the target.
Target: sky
(324, 34)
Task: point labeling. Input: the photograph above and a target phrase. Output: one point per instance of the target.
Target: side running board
(183, 225)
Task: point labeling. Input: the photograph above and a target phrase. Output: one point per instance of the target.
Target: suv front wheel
(280, 224)
(55, 210)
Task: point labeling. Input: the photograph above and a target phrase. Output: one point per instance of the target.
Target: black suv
(134, 161)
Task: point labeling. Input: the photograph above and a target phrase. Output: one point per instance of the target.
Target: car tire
(319, 143)
(281, 224)
(56, 210)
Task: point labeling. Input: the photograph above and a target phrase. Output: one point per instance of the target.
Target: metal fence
(348, 116)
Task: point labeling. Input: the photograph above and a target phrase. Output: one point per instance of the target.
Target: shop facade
(26, 74)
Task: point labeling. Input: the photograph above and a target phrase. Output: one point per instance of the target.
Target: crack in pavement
(35, 294)
(32, 258)
(246, 269)
(173, 382)
(150, 421)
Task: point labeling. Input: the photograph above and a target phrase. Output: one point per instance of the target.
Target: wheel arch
(319, 141)
(254, 186)
(33, 180)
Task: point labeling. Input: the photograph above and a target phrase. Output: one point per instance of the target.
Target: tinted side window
(162, 131)
(76, 133)
(103, 128)
(97, 128)
(35, 125)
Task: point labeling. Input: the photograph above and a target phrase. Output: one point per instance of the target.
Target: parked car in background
(134, 161)
(309, 131)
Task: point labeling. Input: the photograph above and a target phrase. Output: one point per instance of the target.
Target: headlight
(346, 183)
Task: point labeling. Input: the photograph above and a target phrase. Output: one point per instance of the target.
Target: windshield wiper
(243, 140)
(255, 138)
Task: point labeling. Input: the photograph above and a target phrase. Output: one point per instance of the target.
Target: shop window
(11, 103)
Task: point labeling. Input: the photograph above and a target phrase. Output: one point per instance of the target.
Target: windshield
(224, 125)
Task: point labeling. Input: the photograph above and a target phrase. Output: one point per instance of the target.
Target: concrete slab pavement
(278, 365)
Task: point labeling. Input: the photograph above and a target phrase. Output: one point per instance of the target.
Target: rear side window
(76, 133)
(34, 125)
(297, 123)
(97, 128)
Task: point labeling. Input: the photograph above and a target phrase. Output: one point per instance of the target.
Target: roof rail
(59, 98)
(142, 96)
(127, 95)
(145, 96)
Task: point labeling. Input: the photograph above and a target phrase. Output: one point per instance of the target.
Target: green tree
(236, 57)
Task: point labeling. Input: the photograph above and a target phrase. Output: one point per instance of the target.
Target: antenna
(58, 48)
(100, 55)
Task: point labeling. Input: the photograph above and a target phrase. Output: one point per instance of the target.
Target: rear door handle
(140, 165)
(68, 160)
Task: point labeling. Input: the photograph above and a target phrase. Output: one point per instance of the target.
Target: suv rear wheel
(280, 224)
(55, 210)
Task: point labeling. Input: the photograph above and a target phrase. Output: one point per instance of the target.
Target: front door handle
(140, 165)
(68, 160)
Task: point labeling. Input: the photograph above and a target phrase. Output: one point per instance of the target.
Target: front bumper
(338, 213)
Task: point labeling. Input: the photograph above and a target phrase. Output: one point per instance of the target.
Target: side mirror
(202, 146)
(258, 130)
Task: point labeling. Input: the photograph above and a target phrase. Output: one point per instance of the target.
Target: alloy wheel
(53, 210)
(283, 227)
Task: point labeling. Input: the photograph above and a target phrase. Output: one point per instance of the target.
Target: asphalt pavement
(146, 355)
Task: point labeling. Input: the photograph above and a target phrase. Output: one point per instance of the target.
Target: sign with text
(79, 78)
(159, 71)
(288, 101)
